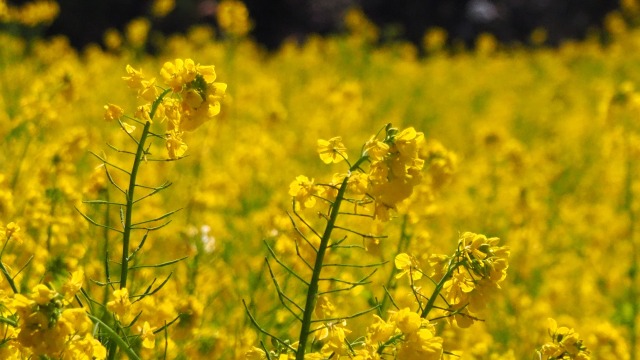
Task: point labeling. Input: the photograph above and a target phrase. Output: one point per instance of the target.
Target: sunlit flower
(304, 191)
(407, 265)
(112, 112)
(120, 304)
(332, 150)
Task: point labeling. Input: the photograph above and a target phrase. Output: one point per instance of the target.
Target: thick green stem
(129, 208)
(312, 292)
(317, 268)
(126, 237)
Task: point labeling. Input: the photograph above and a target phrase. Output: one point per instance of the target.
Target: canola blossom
(217, 201)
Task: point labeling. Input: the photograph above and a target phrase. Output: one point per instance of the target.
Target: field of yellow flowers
(334, 199)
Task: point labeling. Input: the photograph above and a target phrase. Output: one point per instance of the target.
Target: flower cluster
(565, 344)
(473, 273)
(48, 326)
(194, 99)
(559, 191)
(395, 168)
(412, 337)
(394, 171)
(466, 279)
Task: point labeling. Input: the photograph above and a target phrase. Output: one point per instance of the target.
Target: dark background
(84, 21)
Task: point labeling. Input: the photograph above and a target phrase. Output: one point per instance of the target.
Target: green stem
(436, 292)
(312, 292)
(10, 322)
(16, 176)
(117, 340)
(633, 270)
(392, 340)
(129, 208)
(52, 211)
(126, 237)
(8, 277)
(403, 243)
(4, 270)
(105, 251)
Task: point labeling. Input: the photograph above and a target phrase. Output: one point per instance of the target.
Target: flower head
(120, 305)
(112, 112)
(304, 191)
(332, 150)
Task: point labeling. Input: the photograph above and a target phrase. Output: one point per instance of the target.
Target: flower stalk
(312, 292)
(129, 207)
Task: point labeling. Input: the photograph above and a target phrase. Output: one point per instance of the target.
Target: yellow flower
(161, 8)
(11, 229)
(324, 307)
(41, 294)
(407, 321)
(233, 17)
(304, 191)
(407, 142)
(380, 331)
(37, 12)
(178, 73)
(332, 150)
(255, 354)
(73, 285)
(334, 334)
(458, 286)
(421, 345)
(358, 183)
(128, 128)
(112, 39)
(147, 336)
(86, 347)
(376, 149)
(484, 257)
(112, 112)
(192, 98)
(176, 148)
(148, 90)
(120, 305)
(77, 320)
(135, 78)
(566, 344)
(199, 96)
(137, 31)
(208, 72)
(408, 265)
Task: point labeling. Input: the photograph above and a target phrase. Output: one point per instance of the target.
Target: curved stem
(129, 208)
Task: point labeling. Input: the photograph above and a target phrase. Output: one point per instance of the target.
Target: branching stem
(312, 292)
(129, 208)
